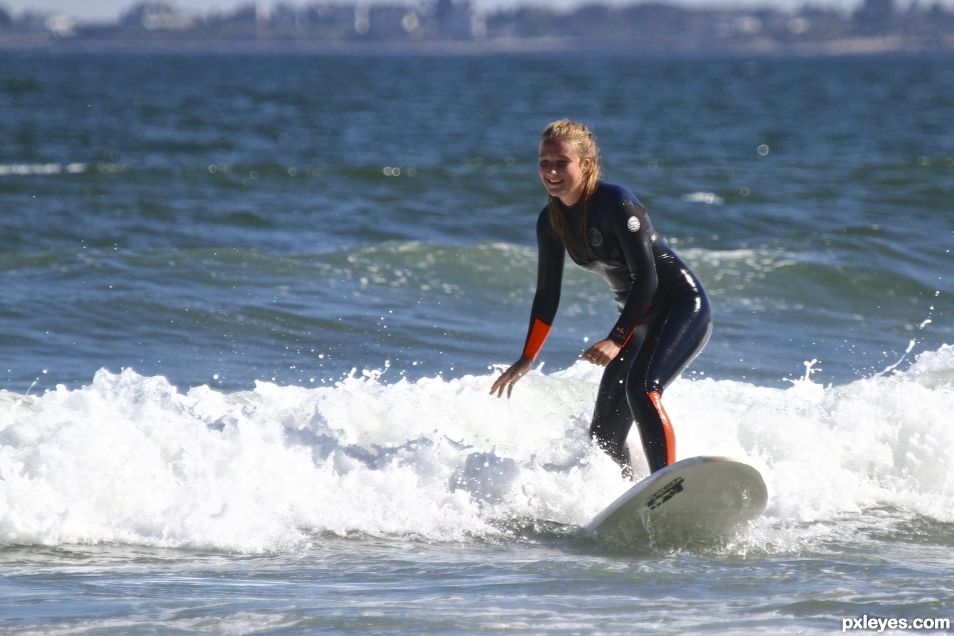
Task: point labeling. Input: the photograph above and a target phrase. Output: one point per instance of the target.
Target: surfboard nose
(700, 500)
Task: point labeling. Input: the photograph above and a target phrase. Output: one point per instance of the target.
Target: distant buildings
(875, 25)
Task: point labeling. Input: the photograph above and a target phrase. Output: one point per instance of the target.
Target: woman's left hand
(602, 353)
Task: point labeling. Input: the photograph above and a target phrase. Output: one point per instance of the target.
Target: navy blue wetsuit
(664, 319)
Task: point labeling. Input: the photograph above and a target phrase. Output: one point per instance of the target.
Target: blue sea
(252, 306)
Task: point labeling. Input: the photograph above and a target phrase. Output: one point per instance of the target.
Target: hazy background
(109, 9)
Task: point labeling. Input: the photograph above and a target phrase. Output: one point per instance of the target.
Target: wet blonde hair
(584, 142)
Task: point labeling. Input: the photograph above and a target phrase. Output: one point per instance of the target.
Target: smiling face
(562, 170)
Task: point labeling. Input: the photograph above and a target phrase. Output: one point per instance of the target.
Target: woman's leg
(612, 417)
(671, 342)
(632, 384)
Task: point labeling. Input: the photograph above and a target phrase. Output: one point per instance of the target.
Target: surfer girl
(664, 317)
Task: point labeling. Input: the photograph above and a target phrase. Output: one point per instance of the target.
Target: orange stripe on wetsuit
(539, 331)
(656, 398)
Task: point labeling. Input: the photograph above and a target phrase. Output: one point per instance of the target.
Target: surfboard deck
(695, 501)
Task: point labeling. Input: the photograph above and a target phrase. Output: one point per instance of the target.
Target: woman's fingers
(602, 353)
(499, 385)
(509, 377)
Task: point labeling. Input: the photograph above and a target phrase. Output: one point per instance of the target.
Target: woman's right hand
(509, 377)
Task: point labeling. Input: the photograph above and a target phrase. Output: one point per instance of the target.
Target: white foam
(132, 459)
(709, 198)
(24, 169)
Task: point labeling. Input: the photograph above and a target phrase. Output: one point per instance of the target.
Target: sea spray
(132, 459)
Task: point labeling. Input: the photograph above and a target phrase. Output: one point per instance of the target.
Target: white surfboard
(700, 500)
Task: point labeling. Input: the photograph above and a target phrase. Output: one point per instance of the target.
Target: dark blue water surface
(214, 215)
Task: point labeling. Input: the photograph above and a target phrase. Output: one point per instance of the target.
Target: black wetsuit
(664, 320)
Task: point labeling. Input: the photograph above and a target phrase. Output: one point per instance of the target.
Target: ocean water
(252, 307)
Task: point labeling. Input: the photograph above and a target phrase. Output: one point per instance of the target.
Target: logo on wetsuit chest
(632, 224)
(596, 239)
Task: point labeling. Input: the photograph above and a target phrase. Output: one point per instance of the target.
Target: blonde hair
(584, 142)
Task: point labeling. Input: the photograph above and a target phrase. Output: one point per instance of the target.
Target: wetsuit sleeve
(634, 232)
(550, 257)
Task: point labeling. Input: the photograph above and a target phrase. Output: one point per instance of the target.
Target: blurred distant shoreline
(845, 46)
(444, 27)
